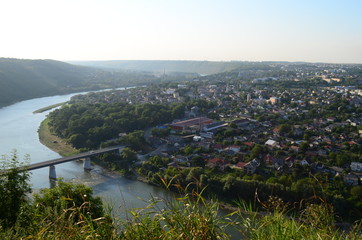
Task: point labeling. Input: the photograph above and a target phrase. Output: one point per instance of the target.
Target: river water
(18, 131)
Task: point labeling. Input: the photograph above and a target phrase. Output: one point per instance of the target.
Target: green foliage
(356, 191)
(13, 190)
(88, 125)
(134, 139)
(197, 161)
(316, 221)
(66, 211)
(256, 151)
(70, 211)
(128, 155)
(187, 217)
(285, 128)
(68, 195)
(160, 132)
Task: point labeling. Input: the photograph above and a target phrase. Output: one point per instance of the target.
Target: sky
(212, 30)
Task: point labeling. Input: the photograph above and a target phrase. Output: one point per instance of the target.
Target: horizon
(182, 60)
(139, 30)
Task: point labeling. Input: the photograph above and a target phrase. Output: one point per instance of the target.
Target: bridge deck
(68, 159)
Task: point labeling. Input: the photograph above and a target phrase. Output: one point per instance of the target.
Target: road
(70, 158)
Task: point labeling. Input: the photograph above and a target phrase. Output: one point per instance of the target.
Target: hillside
(200, 67)
(25, 79)
(22, 79)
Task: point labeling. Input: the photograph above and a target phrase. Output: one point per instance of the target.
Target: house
(276, 131)
(249, 144)
(217, 162)
(289, 161)
(235, 148)
(172, 164)
(240, 165)
(294, 148)
(278, 163)
(304, 162)
(207, 134)
(180, 159)
(197, 138)
(268, 159)
(241, 123)
(334, 170)
(351, 179)
(356, 166)
(274, 100)
(251, 166)
(191, 124)
(318, 166)
(218, 147)
(271, 143)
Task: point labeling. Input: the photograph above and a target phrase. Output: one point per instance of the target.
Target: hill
(200, 67)
(22, 79)
(25, 79)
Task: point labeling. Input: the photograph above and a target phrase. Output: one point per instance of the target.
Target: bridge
(85, 155)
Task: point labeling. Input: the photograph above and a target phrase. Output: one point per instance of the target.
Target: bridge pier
(87, 164)
(118, 152)
(52, 173)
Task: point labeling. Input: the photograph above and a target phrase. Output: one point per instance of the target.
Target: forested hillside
(25, 79)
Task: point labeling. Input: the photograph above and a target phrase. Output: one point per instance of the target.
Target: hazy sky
(247, 30)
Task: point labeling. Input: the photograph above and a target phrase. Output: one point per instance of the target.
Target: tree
(342, 159)
(188, 150)
(284, 128)
(304, 146)
(356, 191)
(197, 161)
(256, 151)
(129, 155)
(77, 140)
(134, 139)
(69, 195)
(178, 111)
(13, 190)
(194, 174)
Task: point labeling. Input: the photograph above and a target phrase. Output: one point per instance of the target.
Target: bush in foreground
(70, 211)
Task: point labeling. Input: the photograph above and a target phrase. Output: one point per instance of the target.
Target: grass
(189, 217)
(49, 107)
(53, 142)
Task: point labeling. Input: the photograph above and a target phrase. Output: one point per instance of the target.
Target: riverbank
(49, 107)
(53, 142)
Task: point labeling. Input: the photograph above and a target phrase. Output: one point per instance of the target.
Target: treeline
(87, 126)
(231, 185)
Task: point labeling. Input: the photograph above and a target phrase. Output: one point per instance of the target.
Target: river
(18, 131)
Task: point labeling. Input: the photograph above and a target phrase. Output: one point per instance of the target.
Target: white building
(356, 166)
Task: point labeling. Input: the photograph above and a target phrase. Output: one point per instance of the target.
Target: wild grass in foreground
(69, 211)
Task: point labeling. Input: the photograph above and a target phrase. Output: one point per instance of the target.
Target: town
(291, 127)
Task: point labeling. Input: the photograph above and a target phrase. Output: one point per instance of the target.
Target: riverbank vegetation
(49, 107)
(54, 142)
(88, 125)
(70, 211)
